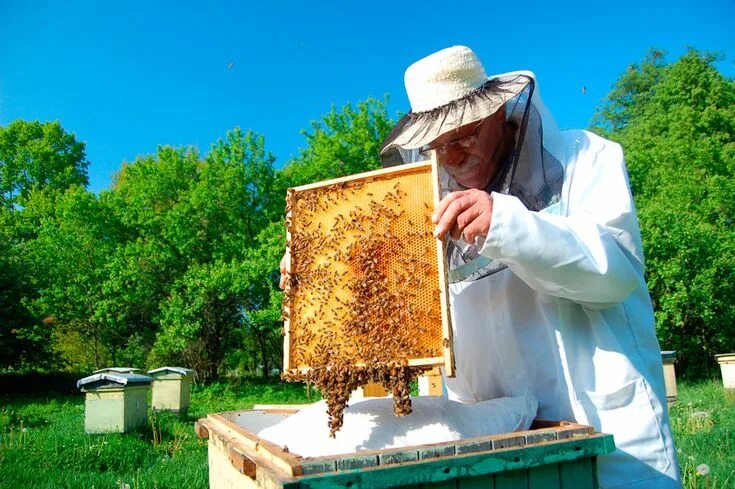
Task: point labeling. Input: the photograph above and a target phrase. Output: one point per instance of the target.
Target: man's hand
(285, 261)
(465, 214)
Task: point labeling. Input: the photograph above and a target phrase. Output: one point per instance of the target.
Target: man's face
(472, 154)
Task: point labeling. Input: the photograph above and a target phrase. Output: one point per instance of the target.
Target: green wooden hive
(551, 455)
(115, 402)
(171, 388)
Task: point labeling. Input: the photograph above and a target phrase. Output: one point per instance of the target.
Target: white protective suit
(564, 310)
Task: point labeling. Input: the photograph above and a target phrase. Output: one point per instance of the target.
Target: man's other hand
(465, 214)
(285, 262)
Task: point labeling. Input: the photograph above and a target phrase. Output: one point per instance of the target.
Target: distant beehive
(171, 388)
(115, 402)
(366, 274)
(668, 358)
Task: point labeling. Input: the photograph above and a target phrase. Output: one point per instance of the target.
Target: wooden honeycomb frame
(340, 234)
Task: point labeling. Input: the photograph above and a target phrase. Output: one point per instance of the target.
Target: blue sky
(128, 76)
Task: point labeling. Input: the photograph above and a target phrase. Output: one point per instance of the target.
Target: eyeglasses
(461, 144)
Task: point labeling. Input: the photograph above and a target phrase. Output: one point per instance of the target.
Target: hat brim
(417, 129)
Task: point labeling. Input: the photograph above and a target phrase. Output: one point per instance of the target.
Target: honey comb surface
(364, 283)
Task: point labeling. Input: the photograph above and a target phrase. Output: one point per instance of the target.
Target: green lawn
(703, 421)
(43, 445)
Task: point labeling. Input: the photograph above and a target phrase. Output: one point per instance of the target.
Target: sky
(125, 77)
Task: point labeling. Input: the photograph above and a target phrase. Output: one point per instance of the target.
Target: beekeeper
(546, 263)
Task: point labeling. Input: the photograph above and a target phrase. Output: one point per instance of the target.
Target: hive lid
(118, 370)
(177, 370)
(670, 354)
(111, 380)
(725, 357)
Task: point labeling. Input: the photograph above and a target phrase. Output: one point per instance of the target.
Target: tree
(67, 265)
(343, 142)
(178, 260)
(38, 155)
(676, 123)
(34, 157)
(200, 217)
(24, 340)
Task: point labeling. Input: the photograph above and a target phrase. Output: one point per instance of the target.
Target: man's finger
(449, 216)
(282, 283)
(445, 202)
(468, 215)
(285, 265)
(474, 230)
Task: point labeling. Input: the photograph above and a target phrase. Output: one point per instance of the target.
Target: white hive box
(115, 402)
(669, 358)
(727, 367)
(171, 388)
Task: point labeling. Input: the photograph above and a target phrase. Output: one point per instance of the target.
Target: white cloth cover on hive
(369, 424)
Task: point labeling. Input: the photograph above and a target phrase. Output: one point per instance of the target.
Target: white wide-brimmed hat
(443, 77)
(447, 90)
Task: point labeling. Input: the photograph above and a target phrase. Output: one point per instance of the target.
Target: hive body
(550, 455)
(171, 388)
(116, 410)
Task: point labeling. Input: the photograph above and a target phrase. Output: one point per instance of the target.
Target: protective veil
(554, 300)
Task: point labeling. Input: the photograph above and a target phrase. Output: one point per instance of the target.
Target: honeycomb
(364, 286)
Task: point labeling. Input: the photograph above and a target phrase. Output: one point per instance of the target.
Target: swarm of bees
(362, 298)
(339, 379)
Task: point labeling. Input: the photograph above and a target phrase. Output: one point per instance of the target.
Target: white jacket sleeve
(591, 255)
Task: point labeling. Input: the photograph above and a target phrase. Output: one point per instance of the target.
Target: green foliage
(38, 155)
(344, 142)
(676, 123)
(226, 313)
(23, 339)
(178, 261)
(67, 258)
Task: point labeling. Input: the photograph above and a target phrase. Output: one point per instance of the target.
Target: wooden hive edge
(286, 291)
(413, 362)
(442, 267)
(247, 452)
(365, 176)
(250, 445)
(553, 433)
(458, 466)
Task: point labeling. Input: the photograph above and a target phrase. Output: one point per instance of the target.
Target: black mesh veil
(531, 169)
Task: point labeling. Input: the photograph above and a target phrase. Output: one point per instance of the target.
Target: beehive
(115, 402)
(171, 388)
(727, 367)
(551, 455)
(668, 358)
(367, 277)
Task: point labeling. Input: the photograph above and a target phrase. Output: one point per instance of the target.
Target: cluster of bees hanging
(362, 301)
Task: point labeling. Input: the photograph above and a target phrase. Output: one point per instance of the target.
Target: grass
(703, 421)
(43, 444)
